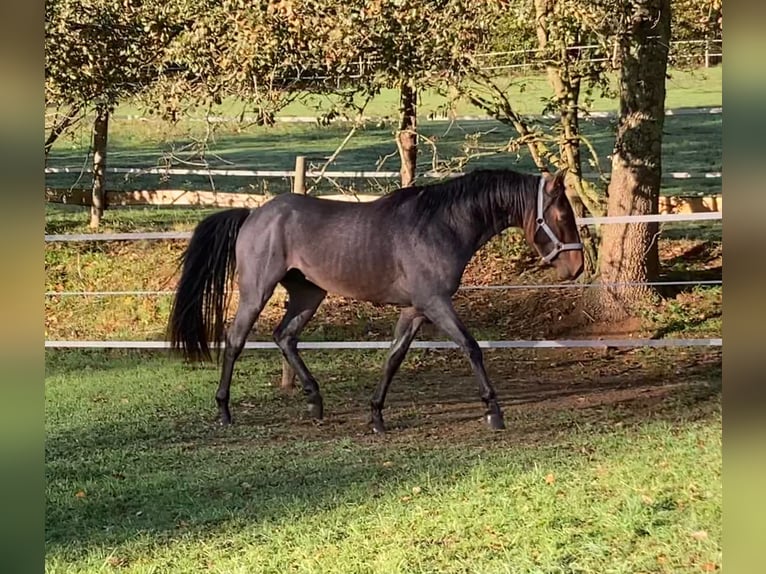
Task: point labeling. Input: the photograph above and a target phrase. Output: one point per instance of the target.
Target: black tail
(208, 265)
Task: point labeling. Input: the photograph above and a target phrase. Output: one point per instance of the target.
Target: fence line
(583, 114)
(362, 174)
(610, 219)
(367, 345)
(527, 286)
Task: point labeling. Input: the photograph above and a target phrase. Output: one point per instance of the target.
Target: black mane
(492, 197)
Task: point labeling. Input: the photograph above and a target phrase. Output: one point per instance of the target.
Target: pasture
(611, 460)
(608, 465)
(692, 143)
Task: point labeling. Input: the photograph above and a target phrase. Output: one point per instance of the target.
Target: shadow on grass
(691, 143)
(176, 473)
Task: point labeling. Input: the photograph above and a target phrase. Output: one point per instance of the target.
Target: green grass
(691, 143)
(140, 479)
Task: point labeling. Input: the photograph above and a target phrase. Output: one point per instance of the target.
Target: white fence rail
(158, 235)
(520, 286)
(367, 345)
(348, 174)
(583, 114)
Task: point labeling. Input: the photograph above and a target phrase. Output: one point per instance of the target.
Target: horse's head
(552, 228)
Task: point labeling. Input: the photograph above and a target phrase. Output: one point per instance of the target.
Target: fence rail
(520, 286)
(313, 173)
(583, 114)
(367, 345)
(612, 219)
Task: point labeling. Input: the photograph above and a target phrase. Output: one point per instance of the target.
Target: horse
(408, 248)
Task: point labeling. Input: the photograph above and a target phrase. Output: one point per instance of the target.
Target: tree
(98, 53)
(629, 252)
(410, 46)
(553, 30)
(560, 33)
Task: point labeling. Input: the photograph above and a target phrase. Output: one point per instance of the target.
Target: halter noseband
(558, 246)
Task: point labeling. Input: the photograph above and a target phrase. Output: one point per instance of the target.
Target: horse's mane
(483, 195)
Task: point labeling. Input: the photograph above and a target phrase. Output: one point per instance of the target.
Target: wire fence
(361, 345)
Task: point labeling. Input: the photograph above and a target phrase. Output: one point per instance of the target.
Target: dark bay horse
(408, 248)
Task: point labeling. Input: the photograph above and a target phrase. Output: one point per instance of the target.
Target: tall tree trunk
(629, 252)
(566, 89)
(407, 136)
(100, 133)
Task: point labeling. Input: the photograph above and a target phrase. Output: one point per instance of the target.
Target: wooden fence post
(299, 183)
(299, 186)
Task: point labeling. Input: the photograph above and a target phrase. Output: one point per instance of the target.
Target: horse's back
(347, 248)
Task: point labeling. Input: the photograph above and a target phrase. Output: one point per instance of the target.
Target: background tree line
(175, 55)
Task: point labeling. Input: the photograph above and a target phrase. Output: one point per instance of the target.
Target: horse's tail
(208, 266)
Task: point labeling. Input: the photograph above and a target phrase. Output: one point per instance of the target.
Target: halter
(558, 246)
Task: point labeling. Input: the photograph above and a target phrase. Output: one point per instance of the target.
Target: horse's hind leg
(442, 314)
(303, 300)
(254, 294)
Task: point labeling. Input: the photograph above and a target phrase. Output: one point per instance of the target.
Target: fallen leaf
(117, 561)
(550, 479)
(80, 494)
(646, 499)
(388, 464)
(699, 535)
(709, 567)
(416, 490)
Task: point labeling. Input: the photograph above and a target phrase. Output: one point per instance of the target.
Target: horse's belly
(376, 289)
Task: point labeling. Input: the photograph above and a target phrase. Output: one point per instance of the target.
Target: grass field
(692, 143)
(598, 471)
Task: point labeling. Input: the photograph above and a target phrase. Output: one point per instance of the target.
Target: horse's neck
(507, 216)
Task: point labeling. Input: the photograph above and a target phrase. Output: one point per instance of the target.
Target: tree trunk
(100, 132)
(629, 252)
(566, 88)
(407, 136)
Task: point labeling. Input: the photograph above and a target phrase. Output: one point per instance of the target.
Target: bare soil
(545, 393)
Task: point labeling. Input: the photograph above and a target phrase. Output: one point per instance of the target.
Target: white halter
(558, 246)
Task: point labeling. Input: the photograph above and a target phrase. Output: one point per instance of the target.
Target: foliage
(697, 19)
(101, 52)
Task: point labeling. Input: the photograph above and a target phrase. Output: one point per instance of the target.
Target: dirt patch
(545, 394)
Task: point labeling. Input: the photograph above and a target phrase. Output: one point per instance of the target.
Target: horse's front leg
(407, 327)
(442, 314)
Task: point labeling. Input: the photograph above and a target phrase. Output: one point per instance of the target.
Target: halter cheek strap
(558, 246)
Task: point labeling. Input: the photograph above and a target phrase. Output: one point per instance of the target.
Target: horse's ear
(555, 183)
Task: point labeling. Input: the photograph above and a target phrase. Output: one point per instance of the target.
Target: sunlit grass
(140, 479)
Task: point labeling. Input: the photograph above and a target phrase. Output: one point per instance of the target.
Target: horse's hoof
(316, 411)
(378, 428)
(495, 421)
(224, 417)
